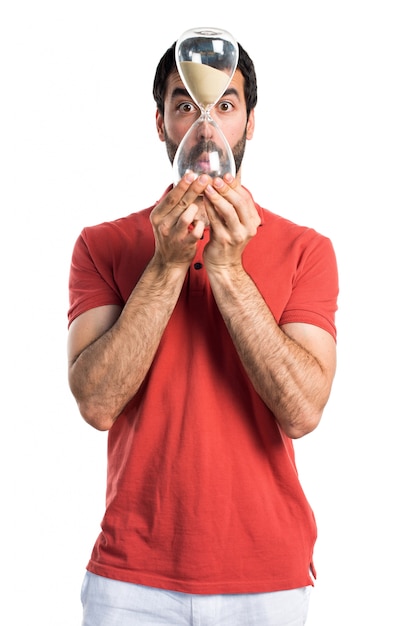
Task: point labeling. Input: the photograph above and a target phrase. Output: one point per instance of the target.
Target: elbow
(300, 419)
(301, 425)
(96, 416)
(93, 408)
(297, 432)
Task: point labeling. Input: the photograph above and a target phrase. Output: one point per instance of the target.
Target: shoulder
(280, 234)
(280, 224)
(118, 228)
(277, 225)
(133, 226)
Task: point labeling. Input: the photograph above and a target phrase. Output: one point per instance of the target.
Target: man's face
(229, 113)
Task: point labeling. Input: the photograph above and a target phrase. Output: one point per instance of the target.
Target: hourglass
(206, 60)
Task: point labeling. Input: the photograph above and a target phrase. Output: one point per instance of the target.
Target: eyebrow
(231, 91)
(181, 91)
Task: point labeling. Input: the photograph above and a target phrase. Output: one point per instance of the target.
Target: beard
(238, 150)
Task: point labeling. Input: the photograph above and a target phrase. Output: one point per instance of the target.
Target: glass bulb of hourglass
(206, 60)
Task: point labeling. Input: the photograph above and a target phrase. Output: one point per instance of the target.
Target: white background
(78, 145)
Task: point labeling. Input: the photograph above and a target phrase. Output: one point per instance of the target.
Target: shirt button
(197, 266)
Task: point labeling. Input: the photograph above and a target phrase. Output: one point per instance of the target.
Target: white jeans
(109, 602)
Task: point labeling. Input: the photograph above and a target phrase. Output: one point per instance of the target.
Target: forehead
(174, 84)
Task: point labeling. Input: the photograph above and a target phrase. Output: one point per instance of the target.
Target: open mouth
(208, 162)
(204, 165)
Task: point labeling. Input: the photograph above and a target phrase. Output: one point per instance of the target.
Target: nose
(205, 130)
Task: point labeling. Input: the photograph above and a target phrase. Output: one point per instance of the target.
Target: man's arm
(110, 349)
(291, 368)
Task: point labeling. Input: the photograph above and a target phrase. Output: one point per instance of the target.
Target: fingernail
(190, 177)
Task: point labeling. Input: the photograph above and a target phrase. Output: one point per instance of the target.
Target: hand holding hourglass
(206, 59)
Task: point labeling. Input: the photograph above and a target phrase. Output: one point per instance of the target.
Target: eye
(187, 107)
(224, 106)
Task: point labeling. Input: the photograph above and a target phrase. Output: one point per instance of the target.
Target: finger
(187, 219)
(196, 229)
(223, 219)
(182, 195)
(230, 188)
(196, 188)
(173, 197)
(220, 209)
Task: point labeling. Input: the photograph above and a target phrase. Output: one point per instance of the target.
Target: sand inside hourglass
(206, 84)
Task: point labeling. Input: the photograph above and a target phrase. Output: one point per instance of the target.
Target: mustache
(204, 146)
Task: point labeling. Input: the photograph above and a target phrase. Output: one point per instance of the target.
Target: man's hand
(234, 220)
(177, 223)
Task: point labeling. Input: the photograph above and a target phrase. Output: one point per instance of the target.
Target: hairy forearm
(108, 373)
(287, 377)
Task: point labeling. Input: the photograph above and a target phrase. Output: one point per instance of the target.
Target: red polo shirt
(203, 494)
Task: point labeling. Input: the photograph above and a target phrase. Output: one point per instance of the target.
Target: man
(202, 337)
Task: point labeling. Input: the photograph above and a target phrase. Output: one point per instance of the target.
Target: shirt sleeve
(91, 283)
(315, 291)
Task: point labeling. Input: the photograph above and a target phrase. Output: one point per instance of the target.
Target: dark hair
(167, 66)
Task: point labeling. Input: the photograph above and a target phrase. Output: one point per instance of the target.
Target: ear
(160, 125)
(250, 125)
